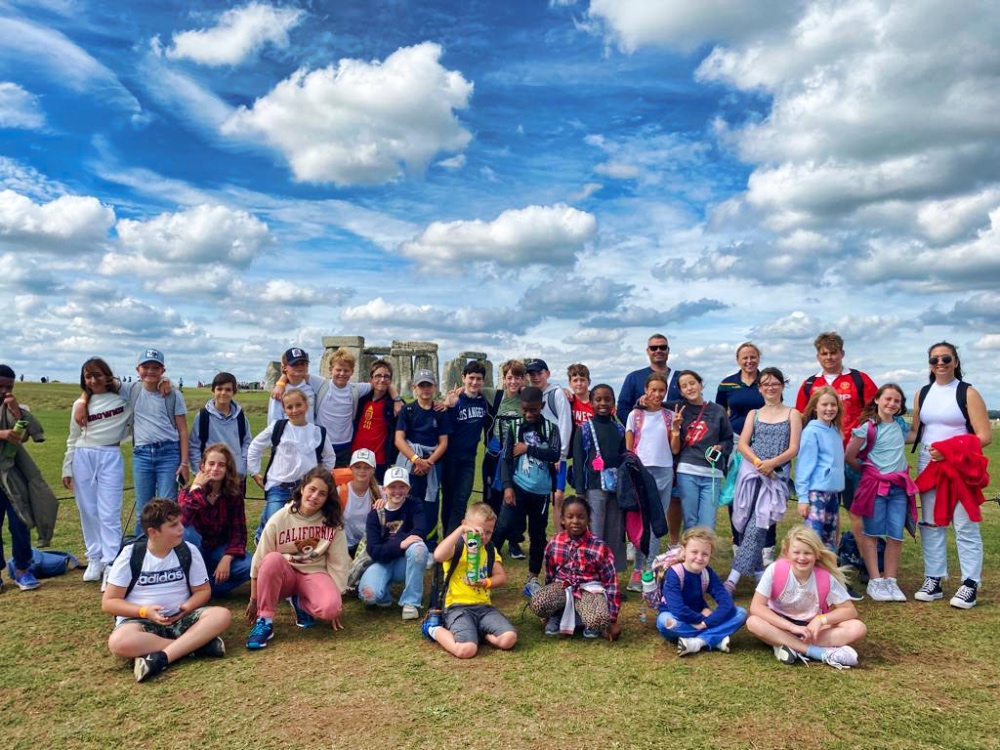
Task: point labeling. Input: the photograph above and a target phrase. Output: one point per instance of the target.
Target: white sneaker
(842, 657)
(410, 612)
(878, 590)
(95, 568)
(893, 588)
(687, 646)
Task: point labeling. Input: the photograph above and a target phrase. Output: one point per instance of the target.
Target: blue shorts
(888, 516)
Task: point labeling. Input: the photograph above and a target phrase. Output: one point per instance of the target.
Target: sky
(535, 177)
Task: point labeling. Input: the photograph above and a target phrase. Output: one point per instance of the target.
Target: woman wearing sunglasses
(950, 423)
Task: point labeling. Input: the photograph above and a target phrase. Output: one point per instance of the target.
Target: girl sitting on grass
(801, 607)
(685, 616)
(302, 554)
(581, 582)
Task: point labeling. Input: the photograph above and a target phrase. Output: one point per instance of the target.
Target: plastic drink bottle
(21, 428)
(648, 592)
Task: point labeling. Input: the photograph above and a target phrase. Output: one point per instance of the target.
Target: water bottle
(473, 550)
(10, 448)
(648, 592)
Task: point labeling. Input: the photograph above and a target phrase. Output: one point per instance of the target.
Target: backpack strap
(808, 385)
(243, 425)
(203, 417)
(550, 397)
(859, 384)
(638, 418)
(320, 394)
(678, 568)
(870, 437)
(822, 587)
(139, 548)
(781, 568)
(319, 448)
(276, 432)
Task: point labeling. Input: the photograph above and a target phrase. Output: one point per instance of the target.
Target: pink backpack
(783, 565)
(639, 417)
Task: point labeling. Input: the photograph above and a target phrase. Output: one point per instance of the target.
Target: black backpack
(961, 395)
(139, 544)
(278, 430)
(439, 586)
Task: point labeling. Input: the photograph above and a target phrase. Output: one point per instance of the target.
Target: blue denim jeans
(239, 567)
(20, 535)
(274, 500)
(154, 474)
(934, 539)
(408, 570)
(671, 628)
(699, 499)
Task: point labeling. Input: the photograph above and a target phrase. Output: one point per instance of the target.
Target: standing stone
(271, 375)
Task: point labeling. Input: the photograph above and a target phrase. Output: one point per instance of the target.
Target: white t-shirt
(336, 411)
(295, 455)
(940, 414)
(653, 446)
(799, 601)
(356, 515)
(162, 579)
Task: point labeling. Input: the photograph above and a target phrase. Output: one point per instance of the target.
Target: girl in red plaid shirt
(582, 586)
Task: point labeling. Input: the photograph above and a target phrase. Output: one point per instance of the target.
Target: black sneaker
(149, 665)
(965, 597)
(931, 590)
(852, 594)
(515, 551)
(215, 648)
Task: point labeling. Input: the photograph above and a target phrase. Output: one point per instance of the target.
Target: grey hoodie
(221, 429)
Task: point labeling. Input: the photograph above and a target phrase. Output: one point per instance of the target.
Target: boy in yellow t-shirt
(469, 614)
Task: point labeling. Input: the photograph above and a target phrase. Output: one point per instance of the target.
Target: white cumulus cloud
(203, 234)
(69, 224)
(361, 123)
(536, 234)
(239, 34)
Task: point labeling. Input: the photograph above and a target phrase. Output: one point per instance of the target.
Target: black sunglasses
(947, 359)
(659, 348)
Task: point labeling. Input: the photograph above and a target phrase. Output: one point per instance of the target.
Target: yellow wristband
(488, 583)
(823, 621)
(143, 611)
(757, 461)
(413, 458)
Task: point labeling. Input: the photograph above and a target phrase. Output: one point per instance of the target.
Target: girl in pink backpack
(801, 607)
(684, 615)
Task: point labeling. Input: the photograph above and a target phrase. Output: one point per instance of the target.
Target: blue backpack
(48, 563)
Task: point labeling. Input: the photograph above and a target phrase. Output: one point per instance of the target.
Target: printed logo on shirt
(105, 414)
(471, 412)
(160, 576)
(696, 431)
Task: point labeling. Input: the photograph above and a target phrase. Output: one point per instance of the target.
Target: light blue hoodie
(820, 463)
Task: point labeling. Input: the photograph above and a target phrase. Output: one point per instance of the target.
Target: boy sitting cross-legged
(469, 614)
(159, 601)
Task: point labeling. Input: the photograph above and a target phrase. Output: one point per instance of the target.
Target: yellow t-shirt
(459, 591)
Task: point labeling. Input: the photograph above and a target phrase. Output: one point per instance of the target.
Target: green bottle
(10, 448)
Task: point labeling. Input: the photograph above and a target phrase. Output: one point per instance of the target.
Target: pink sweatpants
(277, 580)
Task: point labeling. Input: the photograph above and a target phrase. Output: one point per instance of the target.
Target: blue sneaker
(302, 618)
(260, 634)
(589, 633)
(532, 587)
(26, 581)
(432, 620)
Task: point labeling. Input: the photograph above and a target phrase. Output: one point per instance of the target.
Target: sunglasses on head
(947, 359)
(659, 348)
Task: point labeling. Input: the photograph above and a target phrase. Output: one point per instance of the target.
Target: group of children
(324, 532)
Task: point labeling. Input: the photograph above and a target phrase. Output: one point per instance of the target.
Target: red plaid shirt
(224, 523)
(576, 561)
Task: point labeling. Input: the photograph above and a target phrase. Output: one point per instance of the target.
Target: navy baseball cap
(294, 355)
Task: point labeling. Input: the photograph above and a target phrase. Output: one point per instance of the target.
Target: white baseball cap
(397, 474)
(363, 456)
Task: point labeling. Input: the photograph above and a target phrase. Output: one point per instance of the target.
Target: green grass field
(929, 675)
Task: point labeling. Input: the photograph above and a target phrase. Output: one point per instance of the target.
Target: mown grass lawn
(929, 674)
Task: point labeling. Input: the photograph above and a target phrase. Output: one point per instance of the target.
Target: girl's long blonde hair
(824, 557)
(817, 394)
